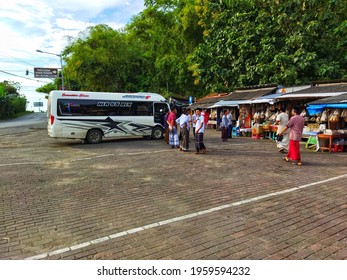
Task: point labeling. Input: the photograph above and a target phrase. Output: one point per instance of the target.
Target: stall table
(246, 131)
(212, 124)
(330, 138)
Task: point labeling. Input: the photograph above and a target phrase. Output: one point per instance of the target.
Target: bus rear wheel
(157, 133)
(94, 136)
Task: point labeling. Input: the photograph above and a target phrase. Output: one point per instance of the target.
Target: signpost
(38, 104)
(45, 72)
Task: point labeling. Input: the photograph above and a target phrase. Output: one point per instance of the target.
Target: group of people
(290, 130)
(187, 120)
(226, 125)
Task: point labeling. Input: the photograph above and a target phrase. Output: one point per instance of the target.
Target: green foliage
(9, 88)
(47, 88)
(100, 60)
(192, 47)
(259, 42)
(11, 103)
(18, 104)
(169, 33)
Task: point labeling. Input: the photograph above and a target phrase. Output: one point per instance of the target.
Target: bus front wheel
(94, 136)
(157, 133)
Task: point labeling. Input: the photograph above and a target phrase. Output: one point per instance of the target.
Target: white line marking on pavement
(95, 157)
(19, 163)
(82, 159)
(180, 218)
(144, 153)
(121, 154)
(101, 156)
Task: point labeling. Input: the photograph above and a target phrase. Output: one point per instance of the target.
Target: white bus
(92, 116)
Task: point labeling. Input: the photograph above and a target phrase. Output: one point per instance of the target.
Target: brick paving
(58, 194)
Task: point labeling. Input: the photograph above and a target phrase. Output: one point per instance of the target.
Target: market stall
(243, 98)
(331, 113)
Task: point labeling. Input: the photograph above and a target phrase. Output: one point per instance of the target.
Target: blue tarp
(314, 109)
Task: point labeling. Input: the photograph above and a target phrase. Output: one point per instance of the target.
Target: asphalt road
(139, 199)
(30, 119)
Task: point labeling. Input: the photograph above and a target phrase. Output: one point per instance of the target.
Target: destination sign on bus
(113, 104)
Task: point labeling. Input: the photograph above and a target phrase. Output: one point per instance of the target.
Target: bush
(10, 106)
(19, 104)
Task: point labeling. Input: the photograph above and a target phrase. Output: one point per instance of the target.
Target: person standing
(194, 123)
(178, 120)
(281, 120)
(224, 126)
(199, 132)
(230, 124)
(184, 128)
(206, 115)
(166, 126)
(189, 118)
(296, 126)
(173, 135)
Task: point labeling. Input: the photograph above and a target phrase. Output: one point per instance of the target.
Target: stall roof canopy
(228, 103)
(317, 91)
(318, 106)
(239, 96)
(339, 99)
(208, 101)
(234, 103)
(250, 93)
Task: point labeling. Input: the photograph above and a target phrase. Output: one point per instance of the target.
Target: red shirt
(206, 117)
(172, 118)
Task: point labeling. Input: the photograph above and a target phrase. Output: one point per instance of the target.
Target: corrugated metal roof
(338, 99)
(249, 94)
(308, 95)
(208, 101)
(212, 98)
(323, 88)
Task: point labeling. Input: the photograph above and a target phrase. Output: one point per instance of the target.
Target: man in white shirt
(199, 132)
(282, 120)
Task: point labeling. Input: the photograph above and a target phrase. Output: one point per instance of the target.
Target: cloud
(46, 25)
(50, 23)
(85, 9)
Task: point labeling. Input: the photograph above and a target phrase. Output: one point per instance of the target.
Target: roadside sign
(38, 104)
(45, 72)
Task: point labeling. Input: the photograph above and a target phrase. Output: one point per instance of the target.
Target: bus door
(159, 112)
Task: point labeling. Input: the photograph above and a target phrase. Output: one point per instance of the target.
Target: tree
(100, 60)
(168, 32)
(47, 88)
(251, 42)
(193, 47)
(11, 103)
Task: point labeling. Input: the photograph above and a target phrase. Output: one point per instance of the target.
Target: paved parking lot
(140, 199)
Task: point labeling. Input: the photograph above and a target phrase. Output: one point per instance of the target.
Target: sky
(46, 25)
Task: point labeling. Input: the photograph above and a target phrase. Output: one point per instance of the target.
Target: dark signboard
(38, 104)
(45, 72)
